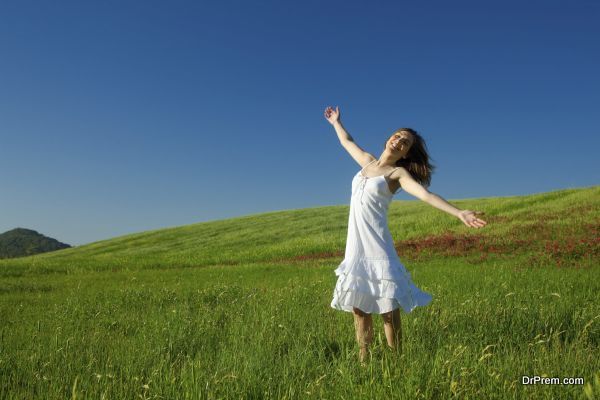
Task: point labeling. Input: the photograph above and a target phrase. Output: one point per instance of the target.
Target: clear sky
(124, 116)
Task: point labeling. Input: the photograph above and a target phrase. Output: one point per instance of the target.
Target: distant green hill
(20, 242)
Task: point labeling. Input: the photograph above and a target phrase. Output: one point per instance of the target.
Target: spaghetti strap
(371, 162)
(392, 171)
(363, 168)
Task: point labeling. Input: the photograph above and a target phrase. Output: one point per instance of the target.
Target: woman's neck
(387, 159)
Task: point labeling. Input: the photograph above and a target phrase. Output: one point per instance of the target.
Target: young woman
(371, 278)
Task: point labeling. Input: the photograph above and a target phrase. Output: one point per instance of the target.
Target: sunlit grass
(204, 311)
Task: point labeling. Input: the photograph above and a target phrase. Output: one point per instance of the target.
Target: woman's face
(399, 143)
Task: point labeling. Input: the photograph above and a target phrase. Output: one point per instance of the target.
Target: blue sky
(119, 117)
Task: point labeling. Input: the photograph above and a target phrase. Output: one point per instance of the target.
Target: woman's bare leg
(393, 329)
(363, 323)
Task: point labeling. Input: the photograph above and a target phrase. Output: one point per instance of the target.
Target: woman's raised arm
(358, 154)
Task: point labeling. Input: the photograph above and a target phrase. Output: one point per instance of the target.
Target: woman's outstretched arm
(358, 154)
(468, 217)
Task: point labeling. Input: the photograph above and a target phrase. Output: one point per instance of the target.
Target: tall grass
(240, 309)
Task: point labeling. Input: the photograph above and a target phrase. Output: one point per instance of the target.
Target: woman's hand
(469, 218)
(332, 115)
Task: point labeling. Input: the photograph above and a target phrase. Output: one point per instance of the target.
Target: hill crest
(21, 242)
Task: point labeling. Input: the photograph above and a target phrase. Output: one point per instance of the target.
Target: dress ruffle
(376, 285)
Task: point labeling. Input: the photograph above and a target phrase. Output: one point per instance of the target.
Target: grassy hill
(321, 232)
(239, 308)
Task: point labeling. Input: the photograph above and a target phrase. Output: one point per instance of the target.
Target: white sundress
(371, 277)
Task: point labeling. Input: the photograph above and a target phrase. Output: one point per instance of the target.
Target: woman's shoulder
(398, 172)
(367, 159)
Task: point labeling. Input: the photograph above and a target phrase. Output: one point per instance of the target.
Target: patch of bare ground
(550, 243)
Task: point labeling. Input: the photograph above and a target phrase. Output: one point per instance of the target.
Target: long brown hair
(417, 159)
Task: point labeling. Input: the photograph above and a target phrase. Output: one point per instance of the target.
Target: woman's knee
(359, 312)
(392, 317)
(388, 317)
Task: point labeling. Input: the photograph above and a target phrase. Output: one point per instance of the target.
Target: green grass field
(239, 308)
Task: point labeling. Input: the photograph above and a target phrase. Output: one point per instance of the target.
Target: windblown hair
(417, 159)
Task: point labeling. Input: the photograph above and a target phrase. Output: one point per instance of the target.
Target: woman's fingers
(479, 223)
(472, 221)
(331, 113)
